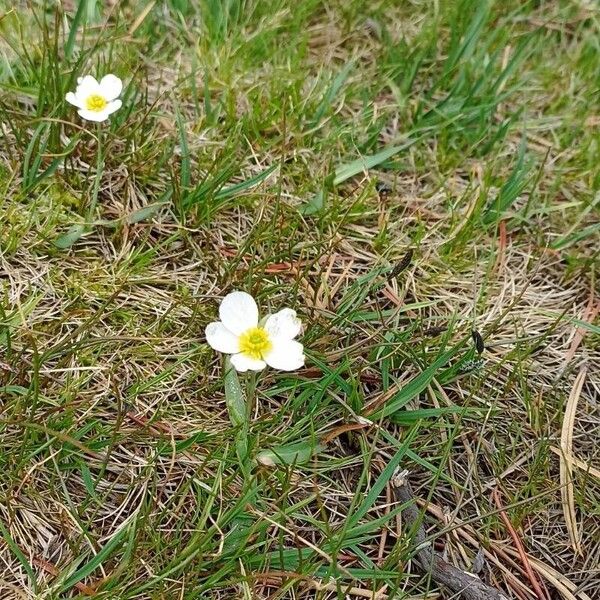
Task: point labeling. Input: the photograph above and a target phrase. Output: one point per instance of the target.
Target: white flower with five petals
(254, 345)
(96, 100)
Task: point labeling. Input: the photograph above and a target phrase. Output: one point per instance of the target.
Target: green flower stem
(97, 179)
(251, 394)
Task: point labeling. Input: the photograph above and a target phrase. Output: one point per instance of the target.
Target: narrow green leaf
(66, 240)
(141, 214)
(241, 448)
(575, 237)
(360, 165)
(88, 481)
(77, 20)
(89, 567)
(414, 387)
(346, 171)
(411, 416)
(208, 109)
(317, 202)
(20, 556)
(314, 205)
(290, 454)
(236, 188)
(331, 93)
(382, 480)
(212, 188)
(196, 438)
(32, 157)
(583, 324)
(54, 164)
(510, 190)
(234, 396)
(185, 175)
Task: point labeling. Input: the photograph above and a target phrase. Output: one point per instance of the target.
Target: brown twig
(443, 573)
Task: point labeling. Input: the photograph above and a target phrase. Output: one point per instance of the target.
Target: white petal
(283, 324)
(93, 115)
(221, 339)
(87, 85)
(286, 355)
(239, 312)
(111, 86)
(113, 106)
(244, 363)
(71, 98)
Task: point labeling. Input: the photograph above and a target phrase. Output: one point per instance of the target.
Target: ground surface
(230, 166)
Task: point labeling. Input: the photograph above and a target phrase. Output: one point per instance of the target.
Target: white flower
(96, 100)
(253, 345)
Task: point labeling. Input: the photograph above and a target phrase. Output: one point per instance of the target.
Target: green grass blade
(290, 454)
(332, 92)
(346, 171)
(242, 186)
(414, 387)
(78, 19)
(511, 189)
(423, 414)
(89, 567)
(576, 236)
(382, 480)
(360, 165)
(20, 556)
(185, 172)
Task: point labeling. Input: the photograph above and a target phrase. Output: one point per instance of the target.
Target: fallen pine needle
(566, 471)
(521, 550)
(562, 583)
(577, 462)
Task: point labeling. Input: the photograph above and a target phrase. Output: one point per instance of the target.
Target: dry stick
(443, 573)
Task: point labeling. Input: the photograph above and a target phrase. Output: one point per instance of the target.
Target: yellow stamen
(96, 102)
(255, 343)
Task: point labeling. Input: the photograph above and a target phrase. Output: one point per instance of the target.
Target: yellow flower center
(96, 102)
(255, 343)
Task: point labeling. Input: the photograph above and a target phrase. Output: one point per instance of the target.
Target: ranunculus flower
(254, 345)
(96, 100)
